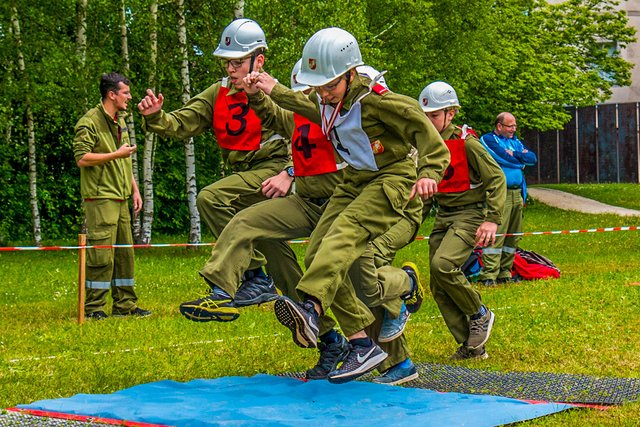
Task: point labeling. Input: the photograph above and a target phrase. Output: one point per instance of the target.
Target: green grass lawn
(586, 322)
(623, 195)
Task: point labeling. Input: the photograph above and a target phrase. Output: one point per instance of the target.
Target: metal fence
(600, 144)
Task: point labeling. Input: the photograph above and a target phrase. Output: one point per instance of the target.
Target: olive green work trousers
(380, 285)
(109, 223)
(219, 202)
(497, 260)
(450, 244)
(365, 206)
(272, 223)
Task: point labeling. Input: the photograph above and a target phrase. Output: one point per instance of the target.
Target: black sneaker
(413, 300)
(487, 282)
(503, 280)
(214, 307)
(480, 329)
(136, 312)
(398, 375)
(301, 319)
(359, 361)
(255, 289)
(96, 315)
(466, 353)
(330, 356)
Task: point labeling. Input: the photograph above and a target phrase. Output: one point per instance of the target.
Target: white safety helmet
(240, 38)
(371, 73)
(438, 96)
(295, 85)
(328, 54)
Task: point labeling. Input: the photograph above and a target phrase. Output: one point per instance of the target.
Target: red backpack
(527, 265)
(531, 266)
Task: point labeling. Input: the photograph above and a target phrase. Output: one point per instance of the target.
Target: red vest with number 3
(456, 176)
(236, 125)
(312, 153)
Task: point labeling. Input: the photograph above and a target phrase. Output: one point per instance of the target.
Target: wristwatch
(290, 171)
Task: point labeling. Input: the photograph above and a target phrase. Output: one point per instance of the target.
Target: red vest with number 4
(312, 153)
(236, 125)
(456, 176)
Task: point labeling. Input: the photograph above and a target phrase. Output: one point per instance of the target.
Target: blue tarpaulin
(280, 401)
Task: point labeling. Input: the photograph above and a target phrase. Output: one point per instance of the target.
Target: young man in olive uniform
(272, 221)
(373, 130)
(102, 151)
(257, 155)
(375, 281)
(470, 201)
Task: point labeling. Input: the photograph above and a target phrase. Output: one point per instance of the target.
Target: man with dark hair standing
(512, 156)
(102, 151)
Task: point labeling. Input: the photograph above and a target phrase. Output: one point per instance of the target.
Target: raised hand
(265, 83)
(249, 82)
(150, 104)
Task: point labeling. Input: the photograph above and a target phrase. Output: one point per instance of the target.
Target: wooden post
(82, 256)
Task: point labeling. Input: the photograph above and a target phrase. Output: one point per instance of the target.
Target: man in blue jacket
(512, 156)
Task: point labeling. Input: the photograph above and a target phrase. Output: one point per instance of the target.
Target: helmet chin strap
(348, 79)
(253, 60)
(444, 122)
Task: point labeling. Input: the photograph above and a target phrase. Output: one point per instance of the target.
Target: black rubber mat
(15, 419)
(542, 386)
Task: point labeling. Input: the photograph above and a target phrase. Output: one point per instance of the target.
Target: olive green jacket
(487, 179)
(97, 132)
(197, 116)
(394, 121)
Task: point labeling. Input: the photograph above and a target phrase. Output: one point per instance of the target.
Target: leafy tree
(525, 56)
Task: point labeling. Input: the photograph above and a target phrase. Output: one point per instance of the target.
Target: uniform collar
(119, 115)
(357, 87)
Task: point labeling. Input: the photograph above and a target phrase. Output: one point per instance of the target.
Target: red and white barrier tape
(166, 245)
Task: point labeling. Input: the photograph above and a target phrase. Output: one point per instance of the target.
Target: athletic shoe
(413, 299)
(301, 319)
(330, 356)
(255, 289)
(359, 361)
(398, 375)
(393, 328)
(136, 312)
(217, 306)
(488, 282)
(503, 280)
(96, 315)
(480, 329)
(466, 353)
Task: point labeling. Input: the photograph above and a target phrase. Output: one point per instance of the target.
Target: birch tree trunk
(81, 53)
(33, 188)
(238, 9)
(81, 46)
(149, 139)
(190, 158)
(135, 217)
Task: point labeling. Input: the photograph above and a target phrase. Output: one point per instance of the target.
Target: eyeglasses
(514, 126)
(235, 63)
(329, 86)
